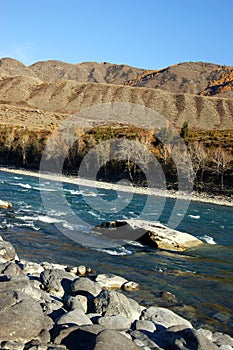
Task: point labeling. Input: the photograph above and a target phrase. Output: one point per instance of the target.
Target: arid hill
(188, 77)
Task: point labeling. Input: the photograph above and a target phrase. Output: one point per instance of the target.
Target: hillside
(67, 97)
(188, 77)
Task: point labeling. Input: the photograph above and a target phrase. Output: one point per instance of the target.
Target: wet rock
(7, 252)
(130, 286)
(110, 281)
(74, 317)
(21, 317)
(113, 340)
(85, 286)
(164, 317)
(168, 296)
(109, 303)
(117, 322)
(5, 204)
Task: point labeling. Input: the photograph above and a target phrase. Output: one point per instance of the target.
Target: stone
(130, 286)
(77, 301)
(142, 340)
(168, 296)
(206, 333)
(85, 286)
(164, 317)
(21, 317)
(12, 345)
(12, 271)
(113, 340)
(117, 322)
(110, 281)
(7, 252)
(145, 325)
(32, 268)
(74, 317)
(5, 204)
(222, 339)
(56, 281)
(109, 303)
(190, 339)
(84, 336)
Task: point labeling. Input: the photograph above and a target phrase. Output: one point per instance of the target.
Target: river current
(200, 278)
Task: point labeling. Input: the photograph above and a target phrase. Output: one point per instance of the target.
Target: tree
(184, 130)
(222, 160)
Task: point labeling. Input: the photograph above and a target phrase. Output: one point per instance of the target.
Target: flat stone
(110, 281)
(21, 317)
(117, 322)
(85, 286)
(74, 317)
(164, 317)
(113, 340)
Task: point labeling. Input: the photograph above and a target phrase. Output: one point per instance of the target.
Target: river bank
(194, 196)
(57, 307)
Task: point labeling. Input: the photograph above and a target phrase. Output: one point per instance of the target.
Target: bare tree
(222, 160)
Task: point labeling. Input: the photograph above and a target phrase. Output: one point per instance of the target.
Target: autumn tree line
(132, 157)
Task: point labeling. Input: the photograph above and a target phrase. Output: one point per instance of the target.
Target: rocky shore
(55, 307)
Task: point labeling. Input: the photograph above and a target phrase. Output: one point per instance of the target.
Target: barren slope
(69, 96)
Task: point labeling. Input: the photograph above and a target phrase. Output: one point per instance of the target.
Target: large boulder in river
(153, 234)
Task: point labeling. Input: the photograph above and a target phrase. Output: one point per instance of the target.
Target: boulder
(113, 340)
(110, 281)
(21, 317)
(56, 281)
(85, 286)
(74, 317)
(117, 322)
(84, 336)
(110, 303)
(7, 252)
(5, 204)
(77, 301)
(164, 317)
(153, 234)
(145, 325)
(130, 286)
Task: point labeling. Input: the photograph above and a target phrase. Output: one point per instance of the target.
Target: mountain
(199, 78)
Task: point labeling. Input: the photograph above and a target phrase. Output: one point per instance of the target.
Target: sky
(149, 34)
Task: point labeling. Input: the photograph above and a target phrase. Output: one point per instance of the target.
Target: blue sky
(149, 34)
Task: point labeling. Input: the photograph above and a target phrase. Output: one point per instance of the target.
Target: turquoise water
(201, 278)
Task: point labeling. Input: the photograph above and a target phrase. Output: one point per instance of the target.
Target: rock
(31, 268)
(153, 234)
(141, 339)
(77, 301)
(12, 271)
(85, 286)
(74, 317)
(168, 296)
(12, 345)
(21, 317)
(117, 322)
(190, 339)
(225, 347)
(164, 317)
(84, 336)
(110, 281)
(145, 325)
(222, 339)
(129, 286)
(110, 303)
(56, 281)
(113, 340)
(5, 204)
(7, 252)
(206, 333)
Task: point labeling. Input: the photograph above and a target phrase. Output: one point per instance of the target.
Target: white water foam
(120, 251)
(25, 185)
(194, 216)
(208, 239)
